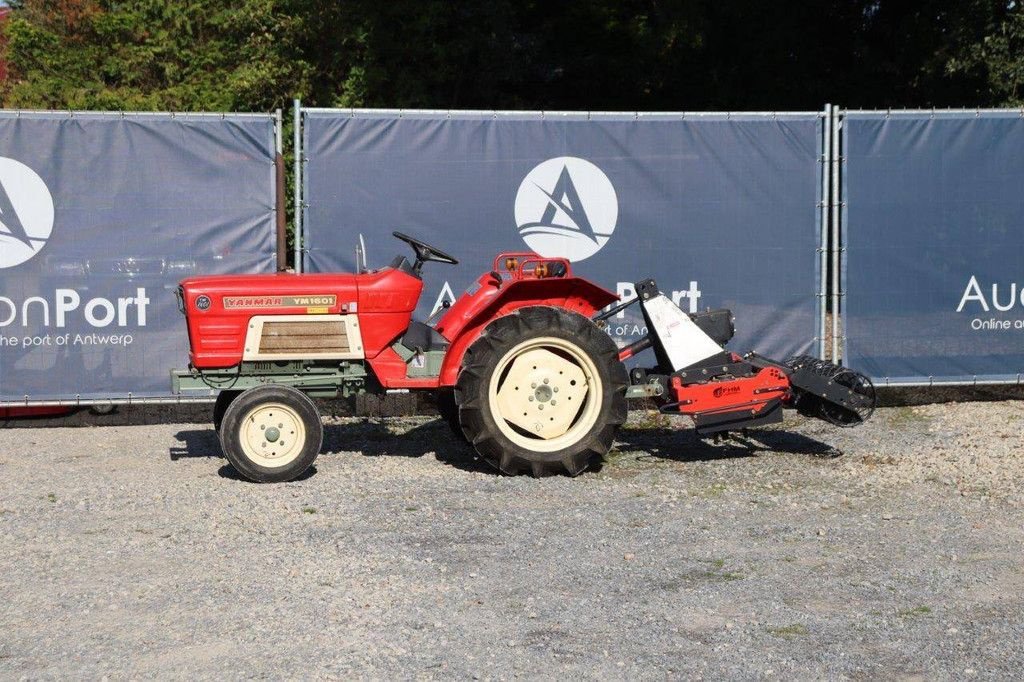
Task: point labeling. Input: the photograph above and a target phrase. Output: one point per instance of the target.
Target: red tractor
(521, 364)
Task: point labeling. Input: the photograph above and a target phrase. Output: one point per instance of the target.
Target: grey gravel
(889, 551)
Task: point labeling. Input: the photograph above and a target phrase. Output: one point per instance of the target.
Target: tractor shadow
(381, 438)
(196, 443)
(376, 439)
(368, 439)
(684, 445)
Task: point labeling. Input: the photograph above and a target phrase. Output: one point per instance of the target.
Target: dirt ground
(129, 548)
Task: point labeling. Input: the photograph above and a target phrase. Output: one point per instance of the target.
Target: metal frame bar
(937, 112)
(826, 169)
(582, 115)
(49, 113)
(279, 131)
(885, 382)
(297, 222)
(280, 218)
(837, 162)
(78, 402)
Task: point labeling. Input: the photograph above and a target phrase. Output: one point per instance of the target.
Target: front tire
(271, 434)
(542, 391)
(220, 408)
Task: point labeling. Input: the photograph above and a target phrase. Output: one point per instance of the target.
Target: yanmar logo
(566, 207)
(234, 302)
(26, 213)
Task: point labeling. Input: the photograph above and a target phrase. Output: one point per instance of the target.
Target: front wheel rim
(545, 394)
(272, 435)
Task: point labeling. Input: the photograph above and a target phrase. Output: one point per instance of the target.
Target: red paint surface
(747, 394)
(30, 411)
(383, 300)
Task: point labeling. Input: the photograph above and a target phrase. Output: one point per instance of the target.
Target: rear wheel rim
(272, 435)
(545, 394)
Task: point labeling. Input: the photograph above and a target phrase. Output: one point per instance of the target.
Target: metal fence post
(837, 156)
(826, 168)
(297, 145)
(279, 194)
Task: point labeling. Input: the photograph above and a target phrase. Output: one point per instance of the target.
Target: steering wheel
(425, 252)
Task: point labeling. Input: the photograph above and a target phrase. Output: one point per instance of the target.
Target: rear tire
(542, 391)
(449, 411)
(271, 434)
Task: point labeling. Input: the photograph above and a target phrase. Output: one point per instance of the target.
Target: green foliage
(151, 54)
(998, 56)
(590, 54)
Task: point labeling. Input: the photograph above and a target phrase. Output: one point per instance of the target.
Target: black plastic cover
(420, 337)
(717, 324)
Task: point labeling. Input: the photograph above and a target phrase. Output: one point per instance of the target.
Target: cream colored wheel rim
(545, 394)
(272, 435)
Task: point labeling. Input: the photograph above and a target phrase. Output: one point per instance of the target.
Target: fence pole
(826, 168)
(297, 146)
(837, 156)
(279, 191)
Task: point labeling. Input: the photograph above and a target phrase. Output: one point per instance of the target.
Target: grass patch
(875, 460)
(789, 631)
(613, 455)
(916, 612)
(717, 573)
(309, 510)
(648, 419)
(905, 416)
(50, 497)
(712, 491)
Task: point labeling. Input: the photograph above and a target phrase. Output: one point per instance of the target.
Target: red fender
(466, 319)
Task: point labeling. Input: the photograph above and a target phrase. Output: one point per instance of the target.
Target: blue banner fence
(906, 222)
(723, 209)
(101, 215)
(932, 218)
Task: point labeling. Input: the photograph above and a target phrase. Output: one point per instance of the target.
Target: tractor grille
(327, 336)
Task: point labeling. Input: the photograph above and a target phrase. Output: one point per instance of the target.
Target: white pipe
(826, 169)
(297, 222)
(837, 157)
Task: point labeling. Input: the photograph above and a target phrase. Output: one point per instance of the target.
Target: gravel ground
(888, 551)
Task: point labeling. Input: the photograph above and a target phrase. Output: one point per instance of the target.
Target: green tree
(152, 54)
(520, 54)
(996, 57)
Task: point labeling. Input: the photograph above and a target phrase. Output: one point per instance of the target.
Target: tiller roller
(722, 391)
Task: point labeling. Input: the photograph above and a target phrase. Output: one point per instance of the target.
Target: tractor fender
(468, 316)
